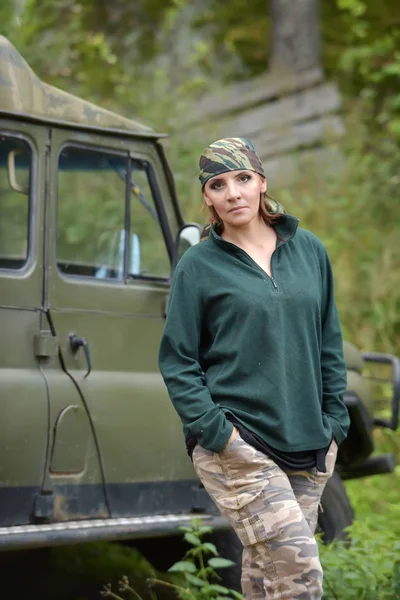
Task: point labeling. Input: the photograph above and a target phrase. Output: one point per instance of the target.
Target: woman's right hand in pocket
(234, 433)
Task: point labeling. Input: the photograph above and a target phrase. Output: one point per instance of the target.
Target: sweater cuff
(224, 437)
(211, 438)
(337, 430)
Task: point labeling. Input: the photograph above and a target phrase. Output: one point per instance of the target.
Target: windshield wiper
(138, 193)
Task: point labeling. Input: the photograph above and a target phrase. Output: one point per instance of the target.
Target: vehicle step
(374, 465)
(73, 532)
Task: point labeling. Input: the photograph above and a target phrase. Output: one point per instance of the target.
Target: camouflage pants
(274, 513)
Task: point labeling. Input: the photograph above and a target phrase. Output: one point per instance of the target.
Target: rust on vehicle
(62, 510)
(60, 514)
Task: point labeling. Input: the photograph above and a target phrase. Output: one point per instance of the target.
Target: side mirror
(188, 235)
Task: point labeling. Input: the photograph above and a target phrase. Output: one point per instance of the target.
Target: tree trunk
(296, 35)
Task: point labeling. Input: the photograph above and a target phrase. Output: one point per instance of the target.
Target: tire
(337, 513)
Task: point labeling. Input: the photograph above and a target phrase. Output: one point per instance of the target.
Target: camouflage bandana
(228, 154)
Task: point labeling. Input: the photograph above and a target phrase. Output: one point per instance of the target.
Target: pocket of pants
(237, 498)
(210, 470)
(265, 518)
(243, 463)
(231, 477)
(248, 473)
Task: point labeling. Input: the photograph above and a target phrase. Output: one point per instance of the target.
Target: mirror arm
(389, 359)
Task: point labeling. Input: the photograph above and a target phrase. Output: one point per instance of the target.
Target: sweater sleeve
(333, 365)
(180, 367)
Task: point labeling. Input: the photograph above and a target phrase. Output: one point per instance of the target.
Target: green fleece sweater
(267, 350)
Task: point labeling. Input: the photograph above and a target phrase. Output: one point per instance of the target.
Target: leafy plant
(366, 570)
(197, 575)
(369, 567)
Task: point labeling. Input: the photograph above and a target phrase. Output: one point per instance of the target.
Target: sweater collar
(285, 229)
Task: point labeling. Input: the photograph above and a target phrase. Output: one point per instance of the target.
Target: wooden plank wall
(293, 121)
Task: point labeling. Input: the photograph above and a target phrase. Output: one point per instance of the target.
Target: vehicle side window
(91, 217)
(15, 185)
(90, 213)
(148, 253)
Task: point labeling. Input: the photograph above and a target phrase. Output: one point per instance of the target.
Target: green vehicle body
(90, 445)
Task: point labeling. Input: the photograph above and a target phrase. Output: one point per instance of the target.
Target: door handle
(76, 342)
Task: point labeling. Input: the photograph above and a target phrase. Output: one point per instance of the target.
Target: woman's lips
(237, 208)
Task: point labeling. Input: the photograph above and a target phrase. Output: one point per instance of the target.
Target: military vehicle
(90, 231)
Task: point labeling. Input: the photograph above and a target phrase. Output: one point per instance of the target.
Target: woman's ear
(207, 199)
(263, 185)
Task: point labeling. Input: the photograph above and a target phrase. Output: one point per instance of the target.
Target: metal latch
(45, 344)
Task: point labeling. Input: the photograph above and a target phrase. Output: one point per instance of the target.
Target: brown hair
(267, 217)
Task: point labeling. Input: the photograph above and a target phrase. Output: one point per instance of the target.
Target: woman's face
(235, 196)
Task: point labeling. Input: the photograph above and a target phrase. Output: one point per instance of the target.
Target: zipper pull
(273, 283)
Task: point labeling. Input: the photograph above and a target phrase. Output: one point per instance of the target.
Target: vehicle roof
(23, 94)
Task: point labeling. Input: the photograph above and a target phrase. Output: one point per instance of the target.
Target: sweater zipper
(272, 273)
(270, 277)
(272, 256)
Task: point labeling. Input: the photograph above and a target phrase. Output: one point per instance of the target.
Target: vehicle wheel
(229, 546)
(337, 513)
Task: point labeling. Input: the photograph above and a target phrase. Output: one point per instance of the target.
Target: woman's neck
(255, 233)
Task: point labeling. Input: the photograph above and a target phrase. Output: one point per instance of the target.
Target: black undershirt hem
(287, 461)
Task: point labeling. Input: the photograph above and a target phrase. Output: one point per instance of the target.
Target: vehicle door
(23, 394)
(107, 295)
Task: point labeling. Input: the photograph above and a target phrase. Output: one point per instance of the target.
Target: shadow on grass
(74, 572)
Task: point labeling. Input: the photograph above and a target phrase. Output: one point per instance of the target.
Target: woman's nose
(232, 190)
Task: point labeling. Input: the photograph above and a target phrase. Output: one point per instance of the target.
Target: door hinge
(45, 344)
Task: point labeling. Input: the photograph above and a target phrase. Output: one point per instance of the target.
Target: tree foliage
(133, 55)
(370, 65)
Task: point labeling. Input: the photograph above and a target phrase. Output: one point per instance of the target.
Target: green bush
(369, 569)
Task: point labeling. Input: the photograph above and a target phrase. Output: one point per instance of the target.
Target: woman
(253, 362)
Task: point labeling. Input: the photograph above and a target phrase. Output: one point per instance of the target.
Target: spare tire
(337, 513)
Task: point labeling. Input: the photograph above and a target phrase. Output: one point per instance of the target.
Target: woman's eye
(245, 178)
(217, 185)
